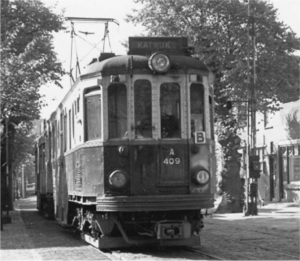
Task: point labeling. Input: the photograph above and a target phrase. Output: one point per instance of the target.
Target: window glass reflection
(170, 110)
(117, 111)
(92, 100)
(197, 107)
(143, 109)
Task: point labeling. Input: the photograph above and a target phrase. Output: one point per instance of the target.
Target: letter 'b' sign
(199, 137)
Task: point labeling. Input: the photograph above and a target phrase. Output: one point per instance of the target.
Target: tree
(219, 32)
(28, 61)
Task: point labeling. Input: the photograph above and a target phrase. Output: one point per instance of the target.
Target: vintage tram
(128, 157)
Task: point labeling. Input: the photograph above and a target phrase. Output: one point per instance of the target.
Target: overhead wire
(93, 45)
(89, 52)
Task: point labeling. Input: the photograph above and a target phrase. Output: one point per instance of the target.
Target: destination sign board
(148, 45)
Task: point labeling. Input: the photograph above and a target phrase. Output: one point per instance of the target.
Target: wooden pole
(250, 200)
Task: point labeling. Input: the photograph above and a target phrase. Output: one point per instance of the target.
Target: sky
(116, 9)
(288, 12)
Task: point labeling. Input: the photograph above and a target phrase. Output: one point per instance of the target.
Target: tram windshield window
(117, 111)
(92, 114)
(197, 107)
(142, 109)
(170, 110)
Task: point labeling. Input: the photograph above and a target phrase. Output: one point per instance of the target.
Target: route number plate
(200, 137)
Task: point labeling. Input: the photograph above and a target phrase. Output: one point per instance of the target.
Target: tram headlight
(159, 62)
(201, 176)
(118, 179)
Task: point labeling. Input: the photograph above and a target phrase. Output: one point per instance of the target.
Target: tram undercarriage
(122, 229)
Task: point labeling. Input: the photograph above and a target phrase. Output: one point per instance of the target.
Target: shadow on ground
(38, 231)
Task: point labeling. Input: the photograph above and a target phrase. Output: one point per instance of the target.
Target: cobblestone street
(272, 235)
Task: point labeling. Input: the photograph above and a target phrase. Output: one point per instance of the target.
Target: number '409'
(171, 161)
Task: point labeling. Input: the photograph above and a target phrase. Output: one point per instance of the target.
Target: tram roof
(126, 63)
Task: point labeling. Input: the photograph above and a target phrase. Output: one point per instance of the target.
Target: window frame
(92, 91)
(134, 129)
(204, 113)
(107, 106)
(69, 129)
(181, 108)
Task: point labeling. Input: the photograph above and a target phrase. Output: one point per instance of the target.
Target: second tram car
(128, 157)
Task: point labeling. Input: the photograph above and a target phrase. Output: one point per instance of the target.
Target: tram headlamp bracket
(159, 62)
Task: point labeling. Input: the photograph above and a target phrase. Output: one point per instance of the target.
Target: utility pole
(251, 179)
(7, 152)
(23, 181)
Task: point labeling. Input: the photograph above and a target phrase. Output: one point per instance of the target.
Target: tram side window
(170, 110)
(61, 134)
(143, 109)
(117, 111)
(65, 132)
(58, 138)
(197, 107)
(70, 136)
(93, 114)
(73, 119)
(211, 115)
(49, 144)
(54, 139)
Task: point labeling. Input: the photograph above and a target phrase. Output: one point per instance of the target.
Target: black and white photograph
(150, 130)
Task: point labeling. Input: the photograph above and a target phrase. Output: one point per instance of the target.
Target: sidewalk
(272, 234)
(32, 237)
(15, 241)
(283, 216)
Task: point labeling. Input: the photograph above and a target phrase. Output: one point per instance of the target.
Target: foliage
(22, 150)
(218, 30)
(230, 184)
(293, 126)
(28, 61)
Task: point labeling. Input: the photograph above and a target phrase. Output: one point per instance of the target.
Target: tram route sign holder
(147, 45)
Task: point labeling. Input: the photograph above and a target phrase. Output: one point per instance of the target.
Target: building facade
(278, 147)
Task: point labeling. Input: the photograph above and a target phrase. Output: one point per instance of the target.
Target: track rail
(191, 249)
